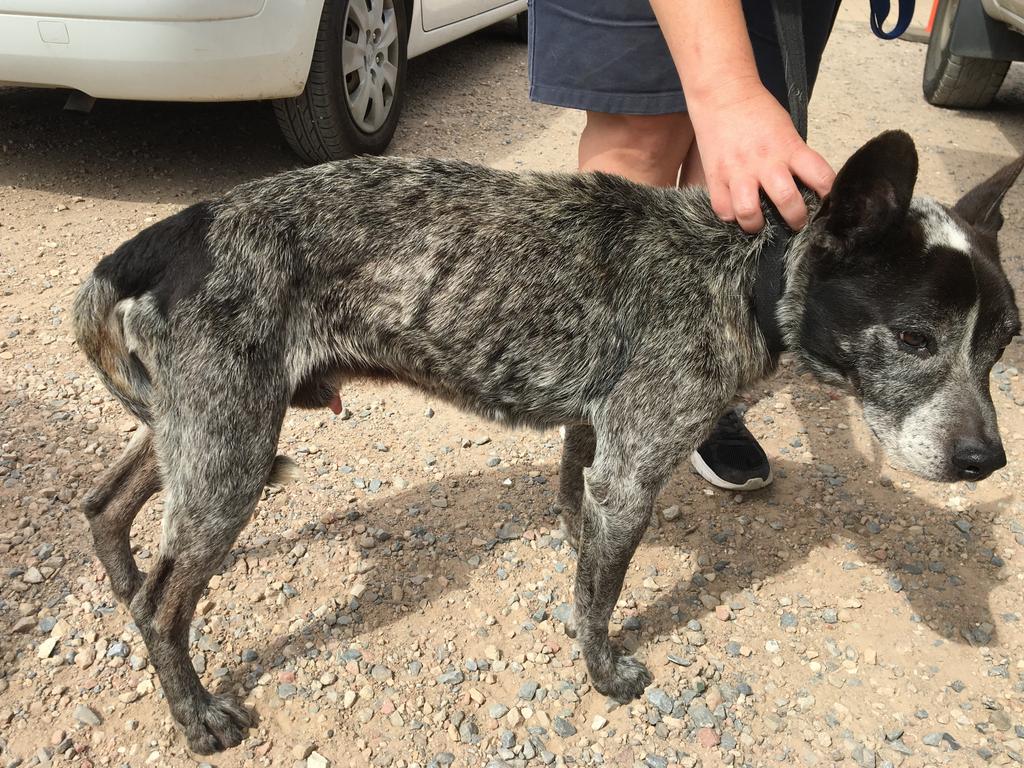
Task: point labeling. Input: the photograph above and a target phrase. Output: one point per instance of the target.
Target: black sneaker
(731, 457)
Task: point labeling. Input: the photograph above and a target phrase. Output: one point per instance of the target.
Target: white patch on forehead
(968, 329)
(940, 231)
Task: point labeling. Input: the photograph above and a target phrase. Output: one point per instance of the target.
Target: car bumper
(222, 50)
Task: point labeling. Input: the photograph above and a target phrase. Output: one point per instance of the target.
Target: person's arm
(746, 138)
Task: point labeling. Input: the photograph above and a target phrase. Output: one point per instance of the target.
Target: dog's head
(905, 301)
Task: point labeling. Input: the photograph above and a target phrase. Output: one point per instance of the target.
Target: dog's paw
(625, 679)
(219, 723)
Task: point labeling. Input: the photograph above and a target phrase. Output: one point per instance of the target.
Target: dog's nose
(976, 460)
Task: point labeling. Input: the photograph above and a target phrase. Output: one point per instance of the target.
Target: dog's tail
(99, 319)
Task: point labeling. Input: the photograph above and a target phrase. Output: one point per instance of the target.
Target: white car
(334, 68)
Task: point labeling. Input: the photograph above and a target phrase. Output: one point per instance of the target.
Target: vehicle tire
(353, 96)
(523, 26)
(958, 82)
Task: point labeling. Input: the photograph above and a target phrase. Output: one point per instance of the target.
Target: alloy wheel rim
(369, 62)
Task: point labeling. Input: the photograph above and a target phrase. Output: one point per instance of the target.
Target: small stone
(661, 700)
(714, 697)
(85, 657)
(563, 727)
(87, 716)
(863, 756)
(510, 532)
(528, 690)
(302, 750)
(599, 723)
(708, 738)
(670, 513)
(32, 576)
(1000, 720)
(118, 649)
(382, 674)
(701, 716)
(454, 677)
(316, 760)
(46, 647)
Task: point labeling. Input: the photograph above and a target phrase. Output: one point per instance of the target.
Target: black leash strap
(770, 281)
(789, 28)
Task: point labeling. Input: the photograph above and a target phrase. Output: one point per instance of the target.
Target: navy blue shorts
(610, 55)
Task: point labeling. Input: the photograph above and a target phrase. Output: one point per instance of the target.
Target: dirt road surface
(403, 604)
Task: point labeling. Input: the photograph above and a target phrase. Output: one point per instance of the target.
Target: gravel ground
(403, 605)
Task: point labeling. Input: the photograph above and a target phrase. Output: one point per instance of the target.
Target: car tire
(356, 85)
(957, 82)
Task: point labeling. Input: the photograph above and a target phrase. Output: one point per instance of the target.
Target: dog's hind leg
(640, 440)
(215, 462)
(577, 453)
(111, 507)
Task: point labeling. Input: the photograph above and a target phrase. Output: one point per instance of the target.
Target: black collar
(770, 283)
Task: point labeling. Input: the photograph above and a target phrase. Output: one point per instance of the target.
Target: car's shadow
(181, 152)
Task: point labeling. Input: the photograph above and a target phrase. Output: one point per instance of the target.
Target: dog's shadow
(464, 532)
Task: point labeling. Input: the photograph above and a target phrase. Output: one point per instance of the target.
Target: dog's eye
(915, 341)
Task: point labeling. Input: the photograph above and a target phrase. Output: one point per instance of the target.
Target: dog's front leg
(640, 439)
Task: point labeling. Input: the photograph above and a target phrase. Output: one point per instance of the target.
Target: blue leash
(880, 12)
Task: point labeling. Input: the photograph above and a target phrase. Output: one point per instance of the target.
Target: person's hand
(747, 142)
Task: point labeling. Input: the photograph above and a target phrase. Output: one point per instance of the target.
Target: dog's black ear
(873, 189)
(981, 206)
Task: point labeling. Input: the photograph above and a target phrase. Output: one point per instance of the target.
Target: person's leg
(648, 149)
(731, 457)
